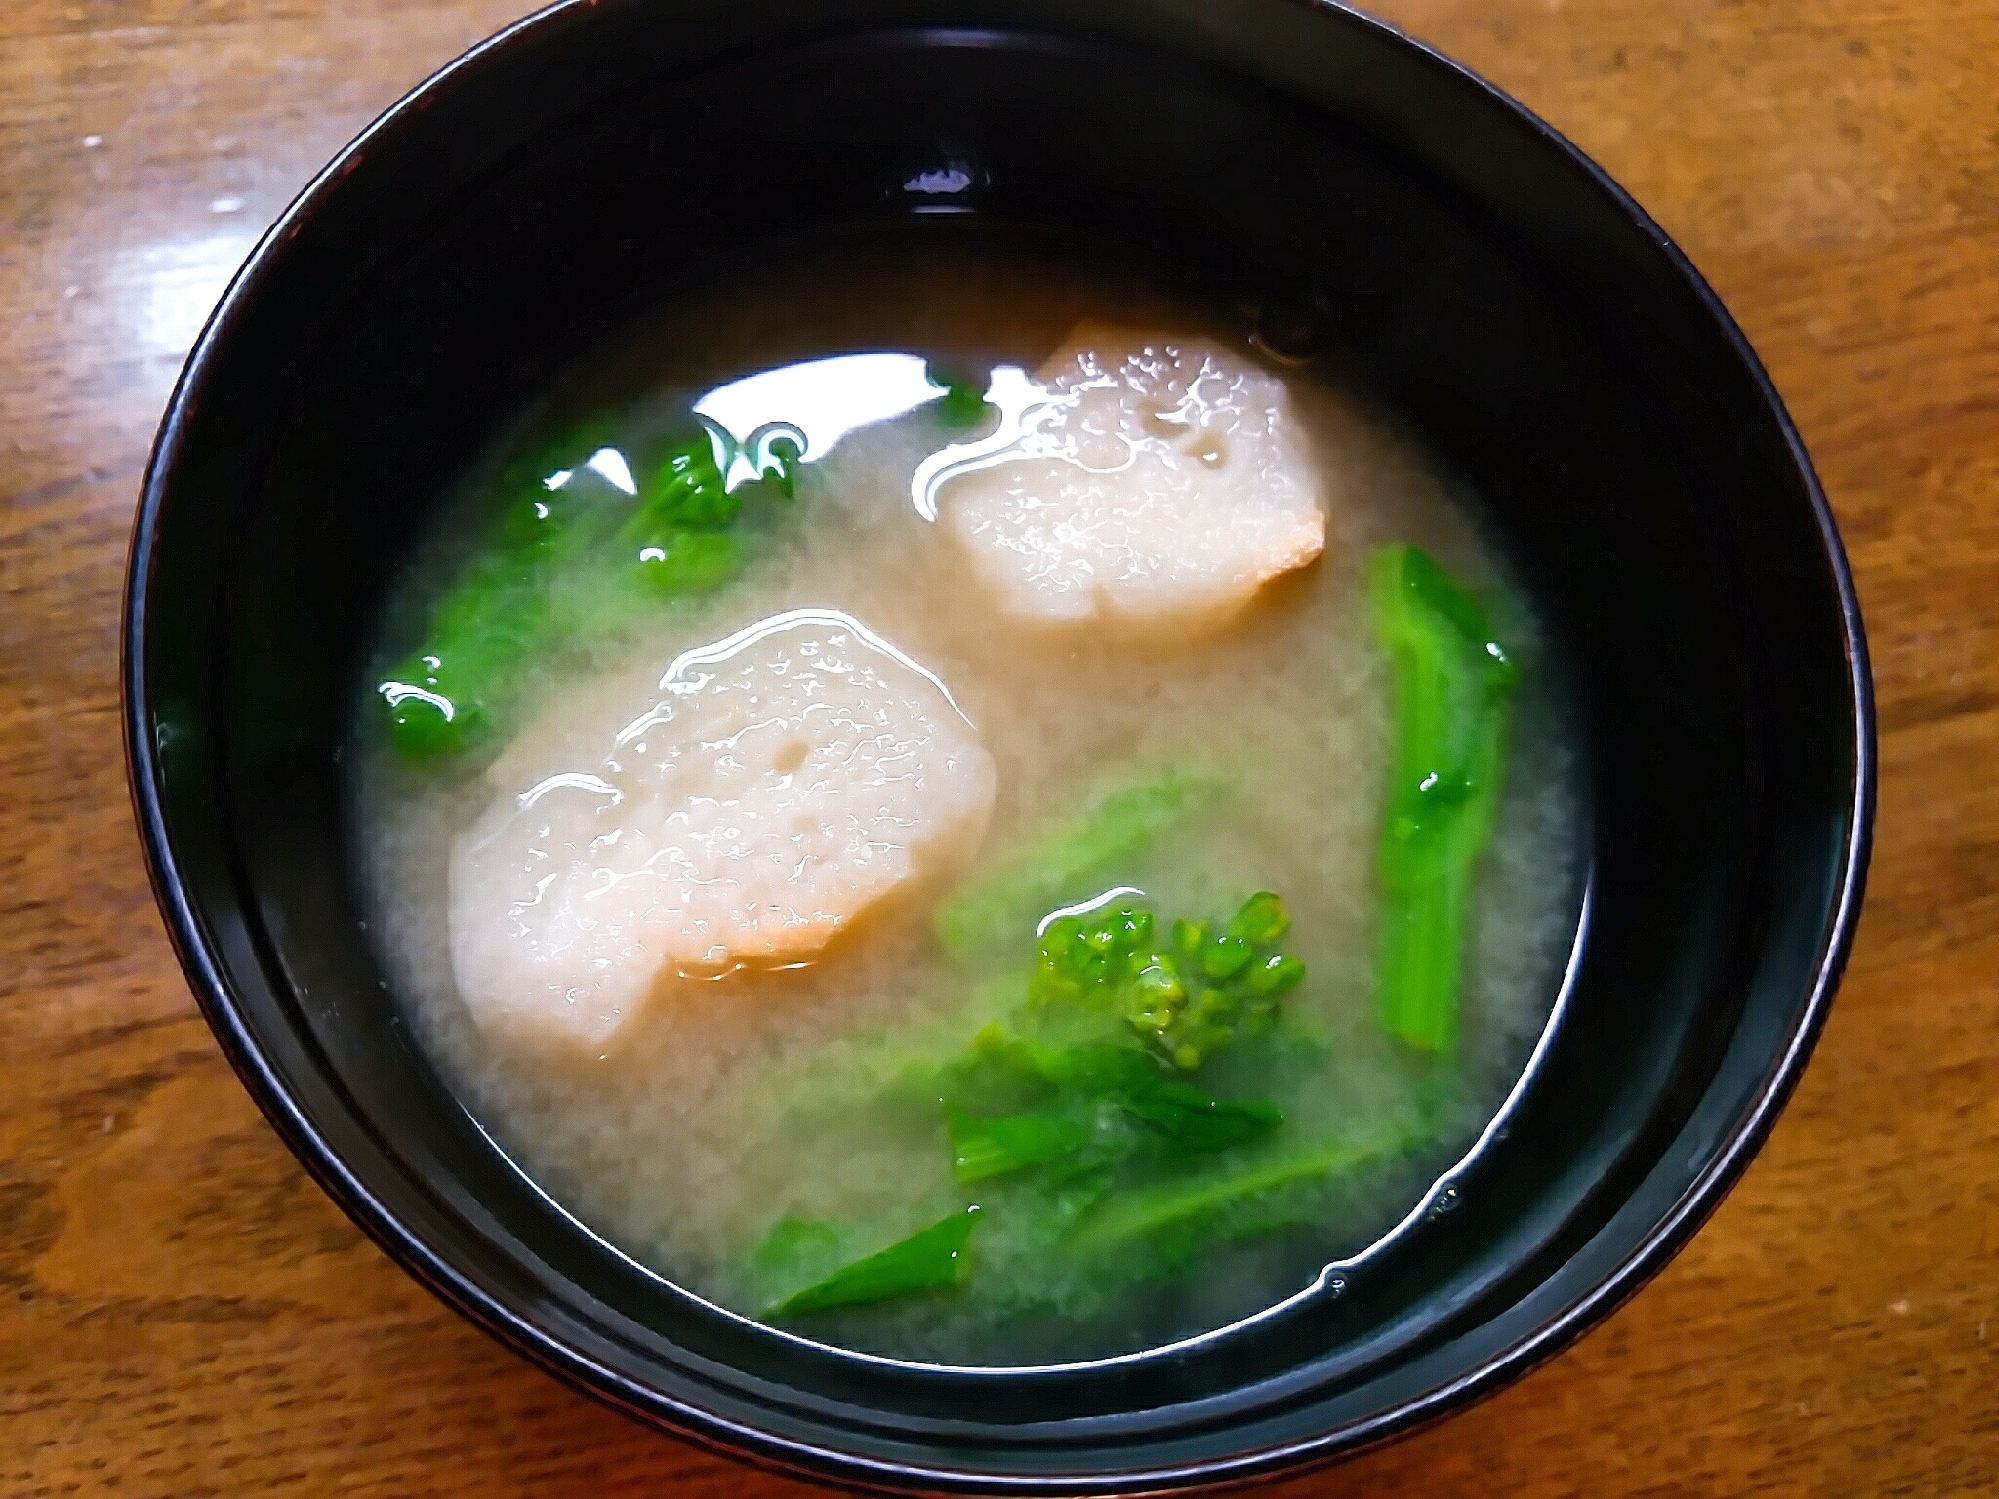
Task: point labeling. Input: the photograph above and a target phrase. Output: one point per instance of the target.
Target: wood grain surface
(182, 1312)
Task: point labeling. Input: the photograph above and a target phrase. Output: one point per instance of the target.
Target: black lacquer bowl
(1497, 291)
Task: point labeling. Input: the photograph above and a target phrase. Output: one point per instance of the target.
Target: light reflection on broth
(756, 1123)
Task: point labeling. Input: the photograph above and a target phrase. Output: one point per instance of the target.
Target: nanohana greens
(676, 536)
(930, 1259)
(941, 803)
(1081, 1095)
(1081, 1085)
(1452, 682)
(1118, 826)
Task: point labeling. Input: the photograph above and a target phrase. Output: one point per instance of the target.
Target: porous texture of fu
(741, 810)
(1156, 480)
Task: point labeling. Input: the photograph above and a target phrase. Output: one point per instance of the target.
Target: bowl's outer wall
(1495, 290)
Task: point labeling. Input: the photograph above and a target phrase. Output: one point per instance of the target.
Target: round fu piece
(739, 811)
(1145, 478)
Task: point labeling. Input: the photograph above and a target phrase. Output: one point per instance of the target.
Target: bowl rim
(196, 948)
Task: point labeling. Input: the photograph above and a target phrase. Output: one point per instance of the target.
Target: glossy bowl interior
(1489, 284)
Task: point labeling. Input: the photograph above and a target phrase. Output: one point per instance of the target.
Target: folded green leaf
(928, 1260)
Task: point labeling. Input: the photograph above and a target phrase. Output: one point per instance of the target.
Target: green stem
(1421, 940)
(1452, 680)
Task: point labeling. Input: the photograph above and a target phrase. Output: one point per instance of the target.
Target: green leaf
(779, 467)
(1128, 1078)
(1070, 1190)
(982, 1148)
(584, 541)
(688, 491)
(1201, 1206)
(964, 404)
(691, 562)
(930, 1259)
(1194, 1121)
(796, 1252)
(1113, 1070)
(1063, 860)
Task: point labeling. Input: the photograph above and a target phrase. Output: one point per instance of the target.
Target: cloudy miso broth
(946, 800)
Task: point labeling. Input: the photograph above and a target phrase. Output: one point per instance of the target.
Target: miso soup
(942, 796)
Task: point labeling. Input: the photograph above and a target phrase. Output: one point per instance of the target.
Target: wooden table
(182, 1312)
